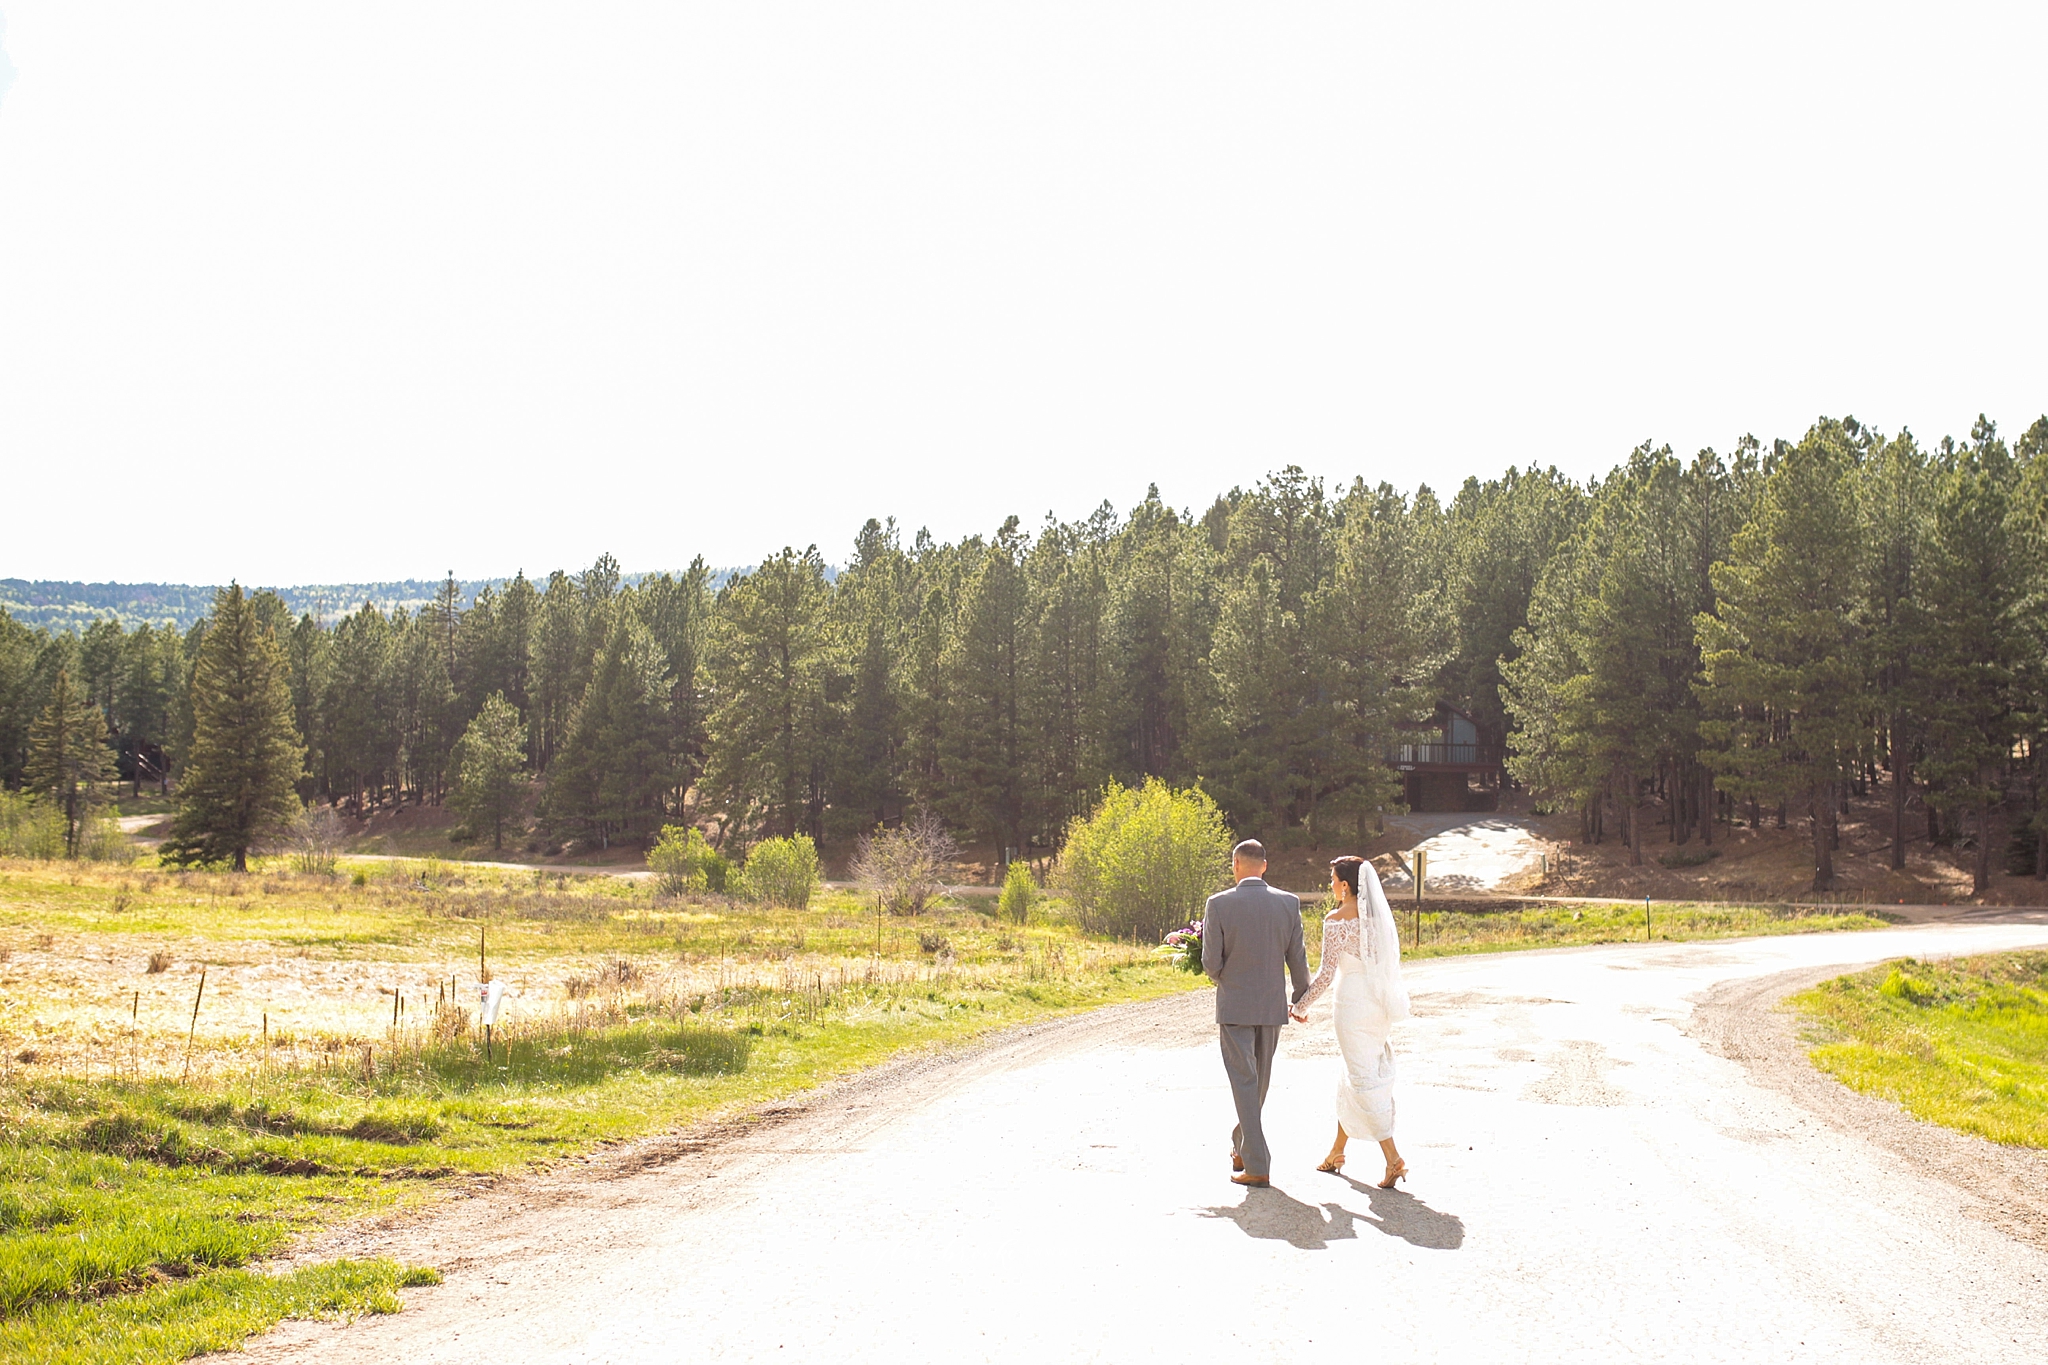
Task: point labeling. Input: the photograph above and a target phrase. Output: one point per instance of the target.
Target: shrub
(316, 841)
(1144, 860)
(1688, 857)
(905, 869)
(781, 872)
(1019, 891)
(30, 828)
(685, 861)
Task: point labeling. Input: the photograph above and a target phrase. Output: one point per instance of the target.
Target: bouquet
(1184, 946)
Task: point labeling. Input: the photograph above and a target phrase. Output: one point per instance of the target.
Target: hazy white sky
(309, 293)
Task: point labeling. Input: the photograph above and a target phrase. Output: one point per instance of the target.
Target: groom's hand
(1297, 1016)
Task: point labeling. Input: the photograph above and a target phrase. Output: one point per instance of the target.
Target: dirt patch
(2006, 1187)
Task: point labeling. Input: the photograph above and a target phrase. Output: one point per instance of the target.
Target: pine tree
(361, 739)
(68, 754)
(146, 703)
(1895, 493)
(487, 763)
(869, 603)
(1369, 657)
(19, 703)
(1978, 584)
(614, 769)
(983, 743)
(1784, 654)
(238, 787)
(769, 657)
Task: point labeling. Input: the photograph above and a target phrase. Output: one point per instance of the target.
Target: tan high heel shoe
(1332, 1165)
(1395, 1176)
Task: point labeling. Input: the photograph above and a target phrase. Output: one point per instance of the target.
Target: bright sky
(334, 292)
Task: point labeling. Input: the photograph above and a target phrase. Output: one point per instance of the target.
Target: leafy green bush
(1144, 860)
(35, 829)
(685, 861)
(780, 872)
(1019, 891)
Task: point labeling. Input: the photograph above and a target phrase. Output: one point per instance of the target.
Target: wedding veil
(1380, 944)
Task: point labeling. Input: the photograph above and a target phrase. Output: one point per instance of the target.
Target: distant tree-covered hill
(71, 607)
(74, 606)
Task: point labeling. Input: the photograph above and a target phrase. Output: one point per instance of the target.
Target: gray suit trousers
(1248, 1062)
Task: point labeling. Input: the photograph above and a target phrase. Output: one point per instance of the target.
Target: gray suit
(1249, 934)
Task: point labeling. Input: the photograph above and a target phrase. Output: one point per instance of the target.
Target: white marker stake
(493, 994)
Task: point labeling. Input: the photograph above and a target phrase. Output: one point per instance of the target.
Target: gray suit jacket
(1248, 933)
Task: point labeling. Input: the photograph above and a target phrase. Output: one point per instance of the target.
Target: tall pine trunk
(1898, 853)
(1822, 808)
(1980, 880)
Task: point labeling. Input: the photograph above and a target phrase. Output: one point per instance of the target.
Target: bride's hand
(1297, 1016)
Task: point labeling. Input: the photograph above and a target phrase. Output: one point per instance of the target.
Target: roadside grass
(1962, 1043)
(1453, 932)
(177, 1320)
(138, 1199)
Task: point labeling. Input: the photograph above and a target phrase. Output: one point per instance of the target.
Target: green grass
(1449, 933)
(1962, 1043)
(135, 1205)
(182, 1318)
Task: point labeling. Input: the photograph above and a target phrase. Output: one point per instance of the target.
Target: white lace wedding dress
(1363, 956)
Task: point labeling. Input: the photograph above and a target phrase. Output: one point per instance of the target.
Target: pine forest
(1683, 643)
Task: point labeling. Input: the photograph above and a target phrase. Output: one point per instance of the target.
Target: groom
(1248, 932)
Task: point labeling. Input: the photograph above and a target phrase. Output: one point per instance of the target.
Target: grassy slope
(1963, 1044)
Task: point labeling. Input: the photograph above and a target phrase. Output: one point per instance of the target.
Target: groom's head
(1248, 859)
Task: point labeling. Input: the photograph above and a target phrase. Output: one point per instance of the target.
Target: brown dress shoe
(1257, 1182)
(1236, 1162)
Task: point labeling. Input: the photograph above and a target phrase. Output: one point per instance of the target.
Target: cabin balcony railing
(1445, 755)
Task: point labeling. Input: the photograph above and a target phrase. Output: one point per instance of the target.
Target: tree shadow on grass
(1271, 1215)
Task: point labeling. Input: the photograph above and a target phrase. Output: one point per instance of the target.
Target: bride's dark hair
(1347, 870)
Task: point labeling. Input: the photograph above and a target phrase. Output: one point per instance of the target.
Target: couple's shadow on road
(1272, 1215)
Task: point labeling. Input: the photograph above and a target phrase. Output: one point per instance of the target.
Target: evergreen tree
(362, 739)
(615, 770)
(19, 703)
(674, 611)
(1980, 574)
(768, 663)
(68, 754)
(1784, 653)
(309, 652)
(983, 745)
(869, 603)
(423, 701)
(487, 761)
(1063, 693)
(1369, 659)
(559, 668)
(1895, 491)
(239, 782)
(99, 664)
(146, 703)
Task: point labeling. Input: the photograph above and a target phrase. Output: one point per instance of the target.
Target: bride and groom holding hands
(1251, 944)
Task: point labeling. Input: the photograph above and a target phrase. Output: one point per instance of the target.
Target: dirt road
(1617, 1156)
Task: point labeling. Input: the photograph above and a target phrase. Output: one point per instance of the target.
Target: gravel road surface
(1618, 1154)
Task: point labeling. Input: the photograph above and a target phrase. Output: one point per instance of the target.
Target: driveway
(1618, 1153)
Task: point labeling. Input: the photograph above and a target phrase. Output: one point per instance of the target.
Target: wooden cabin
(1449, 763)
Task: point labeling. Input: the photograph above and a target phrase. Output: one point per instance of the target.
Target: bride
(1361, 942)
